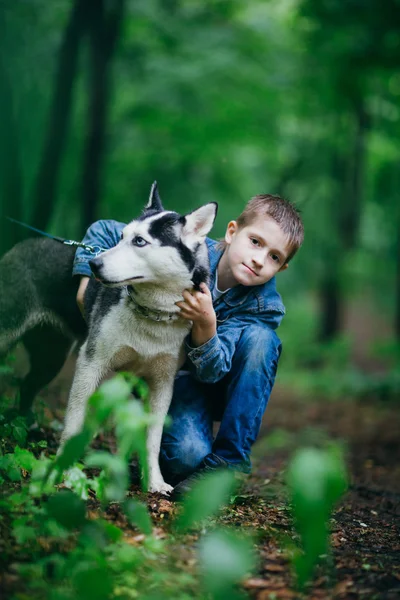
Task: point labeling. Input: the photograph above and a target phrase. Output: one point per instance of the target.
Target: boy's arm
(211, 361)
(80, 296)
(197, 307)
(209, 352)
(105, 234)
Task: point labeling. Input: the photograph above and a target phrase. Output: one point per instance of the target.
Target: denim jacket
(239, 307)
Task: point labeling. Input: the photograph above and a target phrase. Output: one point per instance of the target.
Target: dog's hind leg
(47, 350)
(87, 377)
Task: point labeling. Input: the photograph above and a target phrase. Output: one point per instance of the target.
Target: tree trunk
(397, 281)
(331, 301)
(11, 188)
(45, 190)
(346, 214)
(351, 207)
(103, 34)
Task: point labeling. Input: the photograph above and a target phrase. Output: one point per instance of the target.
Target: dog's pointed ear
(154, 202)
(198, 223)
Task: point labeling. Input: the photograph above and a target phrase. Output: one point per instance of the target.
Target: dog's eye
(139, 241)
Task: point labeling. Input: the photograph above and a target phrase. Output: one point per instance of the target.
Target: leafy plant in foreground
(316, 479)
(69, 553)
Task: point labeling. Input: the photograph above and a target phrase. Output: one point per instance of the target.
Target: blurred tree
(45, 189)
(10, 160)
(347, 44)
(105, 24)
(10, 166)
(217, 101)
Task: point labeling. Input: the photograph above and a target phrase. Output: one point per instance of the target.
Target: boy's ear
(284, 267)
(232, 228)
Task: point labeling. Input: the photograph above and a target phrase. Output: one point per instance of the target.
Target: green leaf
(10, 467)
(127, 557)
(138, 515)
(19, 430)
(24, 459)
(225, 559)
(24, 533)
(92, 583)
(43, 477)
(76, 480)
(316, 480)
(110, 394)
(113, 533)
(206, 497)
(116, 479)
(73, 450)
(67, 509)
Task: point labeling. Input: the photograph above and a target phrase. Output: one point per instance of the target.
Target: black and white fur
(160, 254)
(133, 321)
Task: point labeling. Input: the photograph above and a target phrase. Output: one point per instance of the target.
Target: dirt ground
(364, 528)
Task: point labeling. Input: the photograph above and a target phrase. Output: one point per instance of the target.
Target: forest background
(219, 101)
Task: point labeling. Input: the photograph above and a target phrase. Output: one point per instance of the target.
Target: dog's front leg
(159, 399)
(88, 375)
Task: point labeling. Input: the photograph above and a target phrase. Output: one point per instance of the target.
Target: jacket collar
(266, 294)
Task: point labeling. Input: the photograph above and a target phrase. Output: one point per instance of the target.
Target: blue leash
(95, 250)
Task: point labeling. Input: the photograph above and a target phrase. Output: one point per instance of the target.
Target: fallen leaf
(255, 583)
(274, 568)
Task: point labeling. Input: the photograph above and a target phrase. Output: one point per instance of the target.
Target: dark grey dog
(38, 307)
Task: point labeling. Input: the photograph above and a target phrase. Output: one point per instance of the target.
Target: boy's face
(255, 253)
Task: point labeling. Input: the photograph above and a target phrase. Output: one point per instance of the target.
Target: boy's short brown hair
(282, 211)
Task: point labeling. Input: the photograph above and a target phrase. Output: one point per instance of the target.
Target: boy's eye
(275, 257)
(139, 241)
(254, 241)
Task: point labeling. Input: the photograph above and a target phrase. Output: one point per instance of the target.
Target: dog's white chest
(122, 329)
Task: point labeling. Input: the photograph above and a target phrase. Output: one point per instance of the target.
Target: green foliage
(225, 558)
(15, 428)
(137, 515)
(99, 563)
(217, 101)
(67, 509)
(206, 497)
(316, 479)
(41, 513)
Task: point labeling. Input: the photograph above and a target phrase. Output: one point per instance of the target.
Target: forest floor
(365, 528)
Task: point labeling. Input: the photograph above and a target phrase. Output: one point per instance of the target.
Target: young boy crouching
(233, 349)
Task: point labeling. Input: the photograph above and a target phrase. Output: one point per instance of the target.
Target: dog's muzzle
(96, 264)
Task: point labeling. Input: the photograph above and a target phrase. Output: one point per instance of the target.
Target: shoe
(209, 464)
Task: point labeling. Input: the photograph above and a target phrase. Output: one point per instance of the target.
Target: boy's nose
(257, 261)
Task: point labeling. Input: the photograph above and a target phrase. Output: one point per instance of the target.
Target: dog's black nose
(96, 264)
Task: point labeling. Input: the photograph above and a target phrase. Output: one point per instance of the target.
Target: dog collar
(149, 313)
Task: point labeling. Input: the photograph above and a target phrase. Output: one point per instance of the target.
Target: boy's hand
(81, 294)
(198, 308)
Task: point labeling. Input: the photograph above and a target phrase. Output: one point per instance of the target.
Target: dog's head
(159, 247)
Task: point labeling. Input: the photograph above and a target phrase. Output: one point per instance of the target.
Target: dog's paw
(161, 487)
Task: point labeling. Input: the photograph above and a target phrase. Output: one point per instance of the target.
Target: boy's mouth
(251, 270)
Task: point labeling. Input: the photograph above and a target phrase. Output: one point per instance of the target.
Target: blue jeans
(238, 401)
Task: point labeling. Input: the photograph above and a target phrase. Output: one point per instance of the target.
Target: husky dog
(134, 323)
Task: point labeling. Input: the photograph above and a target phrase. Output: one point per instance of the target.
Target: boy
(232, 350)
